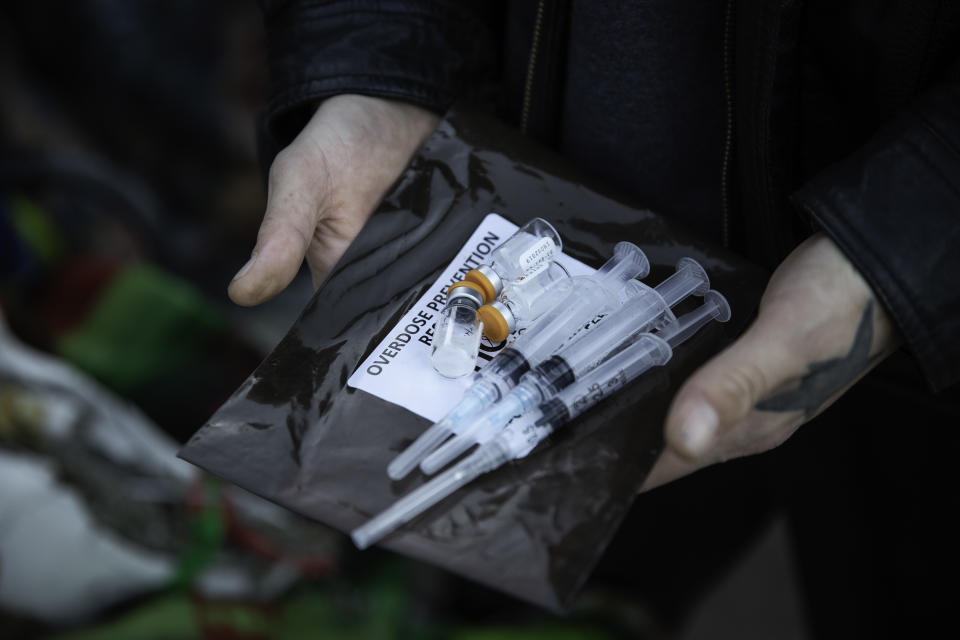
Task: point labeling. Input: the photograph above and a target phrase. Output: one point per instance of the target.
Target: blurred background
(130, 192)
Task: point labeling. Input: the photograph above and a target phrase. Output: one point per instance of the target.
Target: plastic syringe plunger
(689, 279)
(627, 262)
(714, 306)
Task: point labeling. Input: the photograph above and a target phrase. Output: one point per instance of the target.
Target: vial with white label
(456, 339)
(532, 245)
(524, 300)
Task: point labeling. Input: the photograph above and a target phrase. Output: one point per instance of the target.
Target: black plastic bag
(296, 434)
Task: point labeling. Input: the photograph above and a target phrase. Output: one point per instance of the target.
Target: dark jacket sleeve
(426, 52)
(894, 209)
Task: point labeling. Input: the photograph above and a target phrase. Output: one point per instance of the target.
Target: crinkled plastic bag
(295, 433)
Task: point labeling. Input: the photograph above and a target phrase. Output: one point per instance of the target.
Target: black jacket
(843, 115)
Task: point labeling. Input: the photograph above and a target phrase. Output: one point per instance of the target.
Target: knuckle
(298, 165)
(283, 164)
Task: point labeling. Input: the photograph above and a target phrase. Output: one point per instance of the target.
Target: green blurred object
(146, 323)
(556, 631)
(34, 226)
(170, 617)
(378, 609)
(208, 534)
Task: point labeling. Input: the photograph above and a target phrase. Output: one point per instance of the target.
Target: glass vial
(456, 339)
(524, 300)
(531, 246)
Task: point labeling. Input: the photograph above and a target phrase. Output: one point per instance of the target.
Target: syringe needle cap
(419, 449)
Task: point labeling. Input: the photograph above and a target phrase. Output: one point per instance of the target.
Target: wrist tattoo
(826, 377)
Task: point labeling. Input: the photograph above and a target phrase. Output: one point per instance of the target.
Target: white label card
(399, 369)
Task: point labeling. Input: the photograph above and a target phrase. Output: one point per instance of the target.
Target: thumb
(723, 391)
(294, 195)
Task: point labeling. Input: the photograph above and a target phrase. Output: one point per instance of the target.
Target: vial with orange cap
(456, 340)
(532, 245)
(524, 300)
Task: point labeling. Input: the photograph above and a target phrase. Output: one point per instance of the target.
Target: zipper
(728, 135)
(531, 68)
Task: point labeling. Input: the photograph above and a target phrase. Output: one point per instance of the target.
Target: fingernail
(245, 268)
(698, 428)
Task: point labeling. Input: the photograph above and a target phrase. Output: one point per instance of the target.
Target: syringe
(589, 296)
(523, 435)
(508, 445)
(646, 311)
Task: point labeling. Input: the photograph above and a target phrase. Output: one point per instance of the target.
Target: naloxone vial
(456, 340)
(532, 245)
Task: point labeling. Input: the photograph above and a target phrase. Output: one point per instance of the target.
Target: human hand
(325, 185)
(819, 329)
